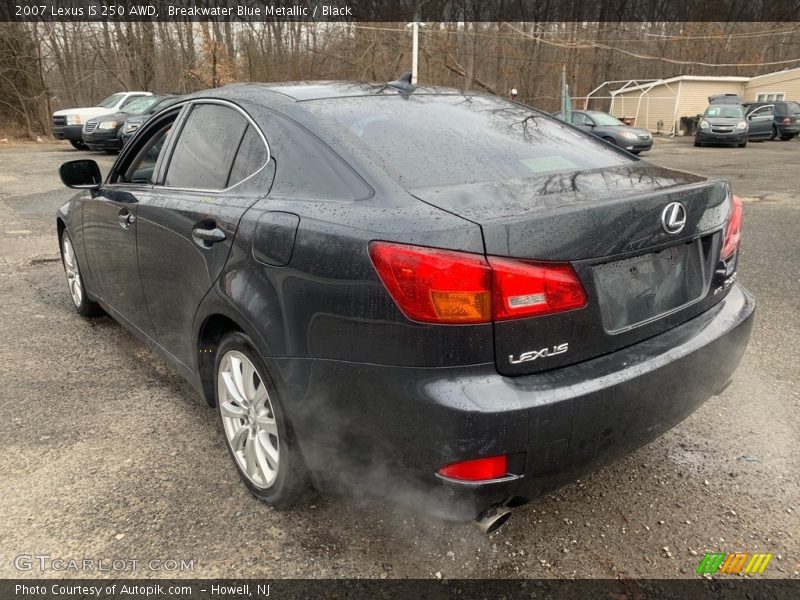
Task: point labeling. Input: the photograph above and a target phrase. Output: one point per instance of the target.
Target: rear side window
(206, 147)
(440, 140)
(793, 108)
(250, 158)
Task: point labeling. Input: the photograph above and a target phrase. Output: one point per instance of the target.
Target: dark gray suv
(774, 119)
(722, 124)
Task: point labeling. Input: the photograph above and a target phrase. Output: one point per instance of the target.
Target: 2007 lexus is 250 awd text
(447, 298)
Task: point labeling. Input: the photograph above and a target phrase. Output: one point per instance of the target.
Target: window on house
(770, 97)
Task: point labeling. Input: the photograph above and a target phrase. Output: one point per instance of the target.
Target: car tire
(785, 138)
(77, 289)
(774, 134)
(78, 144)
(698, 144)
(743, 145)
(259, 437)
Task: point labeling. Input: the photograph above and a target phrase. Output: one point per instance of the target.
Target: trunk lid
(639, 279)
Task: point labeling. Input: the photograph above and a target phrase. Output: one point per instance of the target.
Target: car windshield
(111, 100)
(140, 105)
(605, 119)
(725, 111)
(439, 140)
(794, 108)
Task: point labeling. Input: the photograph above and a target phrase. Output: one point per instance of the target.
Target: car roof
(303, 91)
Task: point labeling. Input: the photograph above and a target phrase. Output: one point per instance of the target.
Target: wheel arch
(213, 328)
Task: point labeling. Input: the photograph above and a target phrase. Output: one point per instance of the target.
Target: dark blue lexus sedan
(446, 298)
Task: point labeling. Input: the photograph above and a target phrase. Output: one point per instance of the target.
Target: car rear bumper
(788, 130)
(711, 137)
(386, 431)
(67, 132)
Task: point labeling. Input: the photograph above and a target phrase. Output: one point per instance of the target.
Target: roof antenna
(403, 83)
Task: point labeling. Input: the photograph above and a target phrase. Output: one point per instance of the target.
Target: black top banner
(402, 10)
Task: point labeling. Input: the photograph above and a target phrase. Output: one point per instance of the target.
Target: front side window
(763, 111)
(138, 166)
(205, 149)
(142, 168)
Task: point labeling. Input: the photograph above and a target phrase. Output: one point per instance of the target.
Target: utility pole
(414, 51)
(415, 45)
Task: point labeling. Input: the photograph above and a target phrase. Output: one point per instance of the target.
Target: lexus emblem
(673, 218)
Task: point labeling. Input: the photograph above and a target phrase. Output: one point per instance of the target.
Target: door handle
(126, 218)
(206, 237)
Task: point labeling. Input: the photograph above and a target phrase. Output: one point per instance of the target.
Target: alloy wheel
(248, 419)
(73, 273)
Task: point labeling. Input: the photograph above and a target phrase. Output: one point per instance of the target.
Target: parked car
(723, 124)
(134, 122)
(105, 132)
(612, 130)
(779, 119)
(442, 297)
(68, 123)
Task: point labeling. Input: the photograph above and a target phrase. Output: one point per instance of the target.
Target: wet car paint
(358, 378)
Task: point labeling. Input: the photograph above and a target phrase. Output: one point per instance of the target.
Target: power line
(656, 37)
(585, 46)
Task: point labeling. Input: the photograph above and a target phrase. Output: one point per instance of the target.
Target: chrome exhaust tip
(492, 519)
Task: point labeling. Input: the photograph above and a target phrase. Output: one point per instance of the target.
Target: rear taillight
(787, 120)
(444, 286)
(733, 233)
(479, 469)
(435, 286)
(525, 289)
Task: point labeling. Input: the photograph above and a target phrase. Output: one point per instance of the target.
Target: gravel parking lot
(107, 454)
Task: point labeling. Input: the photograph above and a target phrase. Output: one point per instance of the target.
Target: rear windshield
(793, 107)
(435, 140)
(725, 111)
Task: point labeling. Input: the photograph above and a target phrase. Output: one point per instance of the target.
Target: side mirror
(81, 174)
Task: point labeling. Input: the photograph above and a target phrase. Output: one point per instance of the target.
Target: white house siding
(682, 98)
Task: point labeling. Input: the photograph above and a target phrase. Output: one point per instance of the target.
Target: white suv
(68, 123)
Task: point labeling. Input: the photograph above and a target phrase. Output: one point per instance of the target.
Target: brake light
(526, 289)
(787, 120)
(733, 234)
(435, 286)
(444, 286)
(480, 469)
